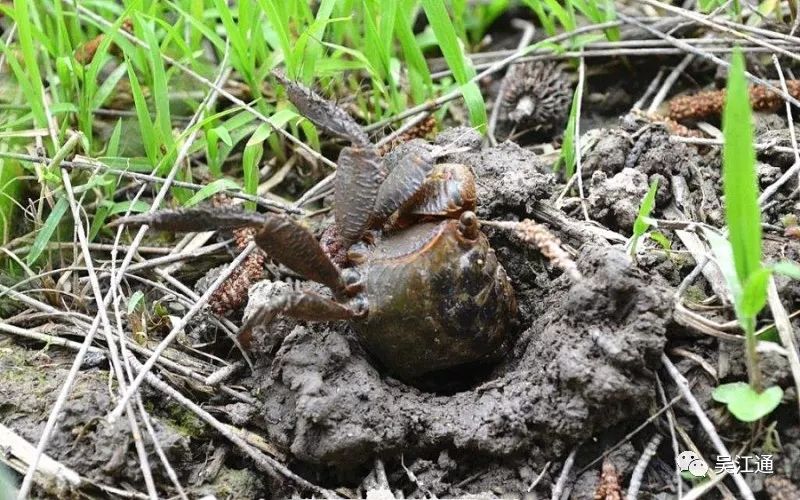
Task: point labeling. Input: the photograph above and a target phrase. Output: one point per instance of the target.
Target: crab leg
(281, 237)
(358, 179)
(301, 305)
(296, 248)
(403, 182)
(194, 219)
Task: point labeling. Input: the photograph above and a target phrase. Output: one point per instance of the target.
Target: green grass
(71, 64)
(642, 222)
(567, 157)
(739, 257)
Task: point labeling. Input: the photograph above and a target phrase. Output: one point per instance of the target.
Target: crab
(416, 276)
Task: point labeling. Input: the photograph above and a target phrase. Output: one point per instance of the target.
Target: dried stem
(539, 236)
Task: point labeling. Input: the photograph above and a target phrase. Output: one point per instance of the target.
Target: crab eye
(350, 277)
(359, 305)
(468, 225)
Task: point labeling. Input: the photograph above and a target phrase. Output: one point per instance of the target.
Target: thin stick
(562, 478)
(81, 163)
(641, 466)
(176, 329)
(43, 337)
(539, 476)
(649, 90)
(786, 333)
(175, 257)
(263, 462)
(652, 418)
(719, 27)
(578, 162)
(110, 342)
(225, 324)
(795, 168)
(139, 403)
(66, 387)
(14, 444)
(676, 72)
(223, 373)
(708, 55)
(683, 387)
(673, 438)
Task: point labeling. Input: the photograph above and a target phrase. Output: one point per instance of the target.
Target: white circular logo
(693, 463)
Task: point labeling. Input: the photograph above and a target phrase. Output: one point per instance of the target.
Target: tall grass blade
(740, 182)
(45, 233)
(457, 61)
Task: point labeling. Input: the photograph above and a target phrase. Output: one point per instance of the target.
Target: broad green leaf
(159, 87)
(740, 182)
(419, 75)
(30, 78)
(250, 163)
(224, 135)
(745, 403)
(113, 143)
(45, 233)
(544, 18)
(210, 190)
(146, 126)
(98, 221)
(662, 240)
(108, 86)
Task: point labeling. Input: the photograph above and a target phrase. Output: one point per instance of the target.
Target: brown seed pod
(419, 131)
(709, 103)
(608, 488)
(538, 96)
(233, 293)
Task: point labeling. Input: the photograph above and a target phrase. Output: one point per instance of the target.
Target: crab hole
(450, 381)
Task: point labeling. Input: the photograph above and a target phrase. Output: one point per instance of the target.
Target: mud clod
(82, 440)
(584, 366)
(615, 201)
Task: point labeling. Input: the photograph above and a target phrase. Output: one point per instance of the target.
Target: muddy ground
(581, 369)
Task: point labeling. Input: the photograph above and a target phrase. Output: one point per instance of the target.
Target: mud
(31, 381)
(582, 364)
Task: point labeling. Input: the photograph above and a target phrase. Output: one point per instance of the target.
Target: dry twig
(539, 236)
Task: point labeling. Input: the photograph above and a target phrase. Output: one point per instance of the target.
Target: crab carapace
(417, 278)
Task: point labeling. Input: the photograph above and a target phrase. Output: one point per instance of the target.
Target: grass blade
(457, 61)
(210, 190)
(46, 232)
(739, 178)
(10, 191)
(566, 159)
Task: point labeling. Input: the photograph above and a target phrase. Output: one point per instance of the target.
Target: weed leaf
(210, 190)
(745, 403)
(46, 232)
(739, 174)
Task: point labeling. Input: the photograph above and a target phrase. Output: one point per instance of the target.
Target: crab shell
(436, 298)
